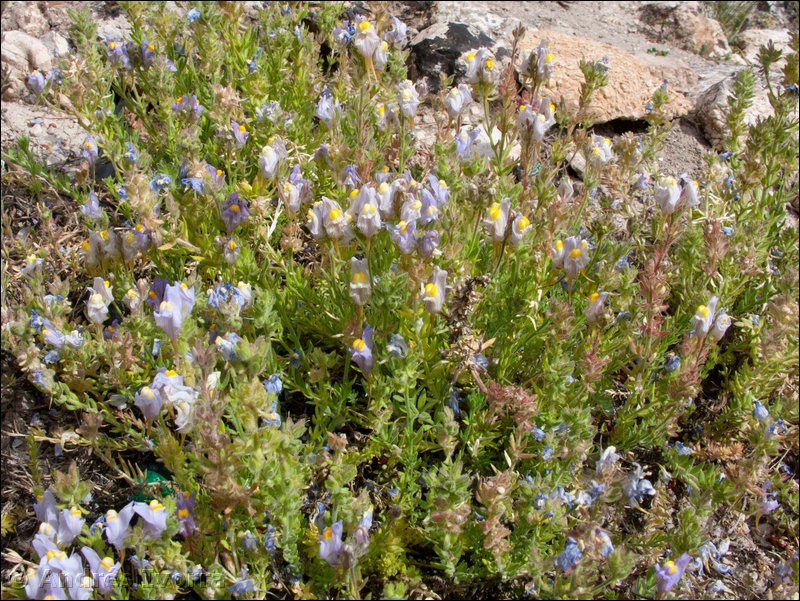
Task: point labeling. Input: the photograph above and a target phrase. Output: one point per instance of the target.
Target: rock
(54, 137)
(416, 15)
(631, 82)
(750, 42)
(684, 24)
(114, 27)
(26, 17)
(20, 55)
(711, 109)
(56, 43)
(437, 49)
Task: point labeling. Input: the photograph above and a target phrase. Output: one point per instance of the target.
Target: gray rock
(26, 17)
(56, 43)
(55, 137)
(711, 109)
(20, 54)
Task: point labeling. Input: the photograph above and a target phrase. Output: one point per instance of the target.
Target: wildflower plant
(360, 366)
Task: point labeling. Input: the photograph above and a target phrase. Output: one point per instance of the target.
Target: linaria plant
(360, 367)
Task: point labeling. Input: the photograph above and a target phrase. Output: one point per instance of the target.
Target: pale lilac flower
(369, 217)
(397, 346)
(496, 220)
(149, 402)
(103, 571)
(70, 524)
(315, 220)
(45, 508)
(407, 99)
(90, 150)
(154, 516)
(411, 209)
(703, 318)
(381, 56)
(600, 151)
(227, 345)
(481, 68)
(690, 192)
(403, 236)
(130, 154)
(427, 243)
(36, 82)
(361, 534)
(457, 100)
(519, 227)
(234, 211)
(271, 157)
(668, 193)
(366, 40)
(216, 178)
(32, 262)
(240, 133)
(574, 255)
(349, 176)
(434, 291)
(335, 221)
(230, 250)
(398, 32)
(429, 208)
(359, 281)
(668, 574)
(441, 192)
(52, 335)
(174, 309)
(595, 306)
(331, 545)
(539, 64)
(96, 308)
(184, 505)
(294, 191)
(148, 52)
(721, 325)
(361, 351)
(116, 526)
(184, 416)
(465, 140)
(71, 568)
(117, 53)
(327, 108)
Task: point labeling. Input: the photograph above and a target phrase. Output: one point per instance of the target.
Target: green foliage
(564, 409)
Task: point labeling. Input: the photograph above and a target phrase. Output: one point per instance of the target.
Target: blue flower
(90, 150)
(234, 211)
(672, 363)
(331, 546)
(636, 486)
(361, 351)
(36, 82)
(682, 449)
(273, 418)
(269, 540)
(397, 346)
(760, 412)
(567, 559)
(160, 182)
(453, 401)
(538, 433)
(273, 385)
(193, 15)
